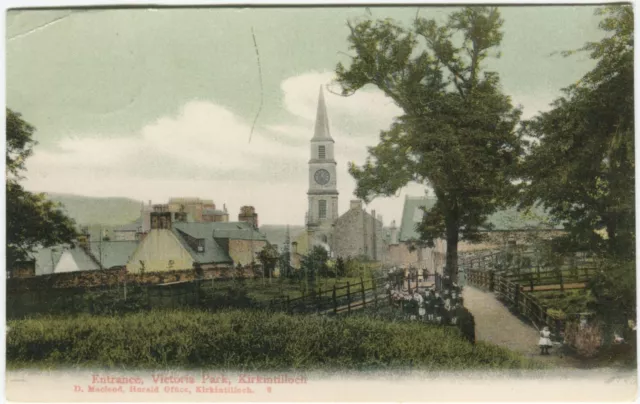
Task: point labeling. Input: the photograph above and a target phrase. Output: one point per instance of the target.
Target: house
(61, 258)
(357, 233)
(182, 245)
(184, 210)
(504, 227)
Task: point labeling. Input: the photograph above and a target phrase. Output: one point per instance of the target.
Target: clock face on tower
(322, 177)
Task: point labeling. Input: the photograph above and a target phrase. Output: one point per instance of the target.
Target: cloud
(203, 150)
(364, 113)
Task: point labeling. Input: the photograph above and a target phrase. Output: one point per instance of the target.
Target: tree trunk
(452, 251)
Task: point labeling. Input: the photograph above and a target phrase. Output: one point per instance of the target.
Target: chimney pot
(355, 204)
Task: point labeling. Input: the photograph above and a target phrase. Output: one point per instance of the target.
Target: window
(322, 152)
(322, 209)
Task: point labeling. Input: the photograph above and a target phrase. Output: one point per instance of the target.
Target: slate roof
(504, 220)
(134, 226)
(412, 215)
(46, 259)
(511, 219)
(212, 253)
(81, 260)
(231, 230)
(114, 253)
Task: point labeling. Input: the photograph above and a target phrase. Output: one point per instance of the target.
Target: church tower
(323, 193)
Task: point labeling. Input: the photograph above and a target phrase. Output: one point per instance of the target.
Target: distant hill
(87, 210)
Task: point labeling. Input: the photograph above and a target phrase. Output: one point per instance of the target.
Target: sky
(157, 103)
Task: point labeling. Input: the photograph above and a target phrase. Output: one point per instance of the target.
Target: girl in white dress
(545, 341)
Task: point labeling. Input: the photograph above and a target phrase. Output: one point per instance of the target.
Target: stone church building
(355, 233)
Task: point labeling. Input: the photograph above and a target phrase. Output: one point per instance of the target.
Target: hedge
(245, 340)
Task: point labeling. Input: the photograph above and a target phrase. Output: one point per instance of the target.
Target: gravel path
(497, 325)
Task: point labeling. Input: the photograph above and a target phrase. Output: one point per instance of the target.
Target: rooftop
(509, 219)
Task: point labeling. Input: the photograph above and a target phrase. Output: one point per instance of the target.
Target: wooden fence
(520, 261)
(514, 294)
(204, 294)
(352, 296)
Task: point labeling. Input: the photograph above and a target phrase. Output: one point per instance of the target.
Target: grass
(267, 289)
(213, 295)
(246, 340)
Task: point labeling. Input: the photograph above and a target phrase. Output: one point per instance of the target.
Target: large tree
(32, 220)
(581, 163)
(457, 131)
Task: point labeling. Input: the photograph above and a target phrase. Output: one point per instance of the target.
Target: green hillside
(106, 211)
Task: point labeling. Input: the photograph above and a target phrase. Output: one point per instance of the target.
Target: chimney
(224, 207)
(84, 238)
(355, 204)
(294, 247)
(248, 214)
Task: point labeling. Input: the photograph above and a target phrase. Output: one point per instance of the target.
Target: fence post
(375, 292)
(288, 305)
(516, 296)
(335, 301)
(531, 282)
(348, 297)
(364, 301)
(492, 281)
(561, 281)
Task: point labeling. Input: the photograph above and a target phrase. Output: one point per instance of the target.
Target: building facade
(322, 195)
(357, 233)
(184, 210)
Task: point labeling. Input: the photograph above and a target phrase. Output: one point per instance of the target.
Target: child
(545, 341)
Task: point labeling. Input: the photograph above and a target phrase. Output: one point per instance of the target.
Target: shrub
(586, 340)
(246, 339)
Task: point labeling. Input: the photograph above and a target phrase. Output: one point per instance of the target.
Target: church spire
(322, 132)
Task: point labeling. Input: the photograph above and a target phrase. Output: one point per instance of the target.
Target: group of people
(441, 307)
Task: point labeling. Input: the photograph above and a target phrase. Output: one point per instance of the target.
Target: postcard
(329, 203)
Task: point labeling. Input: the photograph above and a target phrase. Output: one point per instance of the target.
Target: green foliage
(32, 220)
(268, 257)
(581, 164)
(314, 264)
(340, 268)
(457, 133)
(567, 302)
(614, 292)
(246, 340)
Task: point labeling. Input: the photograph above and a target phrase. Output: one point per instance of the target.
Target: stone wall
(431, 259)
(435, 258)
(113, 277)
(357, 233)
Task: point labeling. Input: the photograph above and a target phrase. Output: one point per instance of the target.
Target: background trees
(457, 132)
(32, 220)
(581, 166)
(581, 163)
(268, 257)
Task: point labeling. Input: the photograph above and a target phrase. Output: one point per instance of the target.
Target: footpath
(495, 324)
